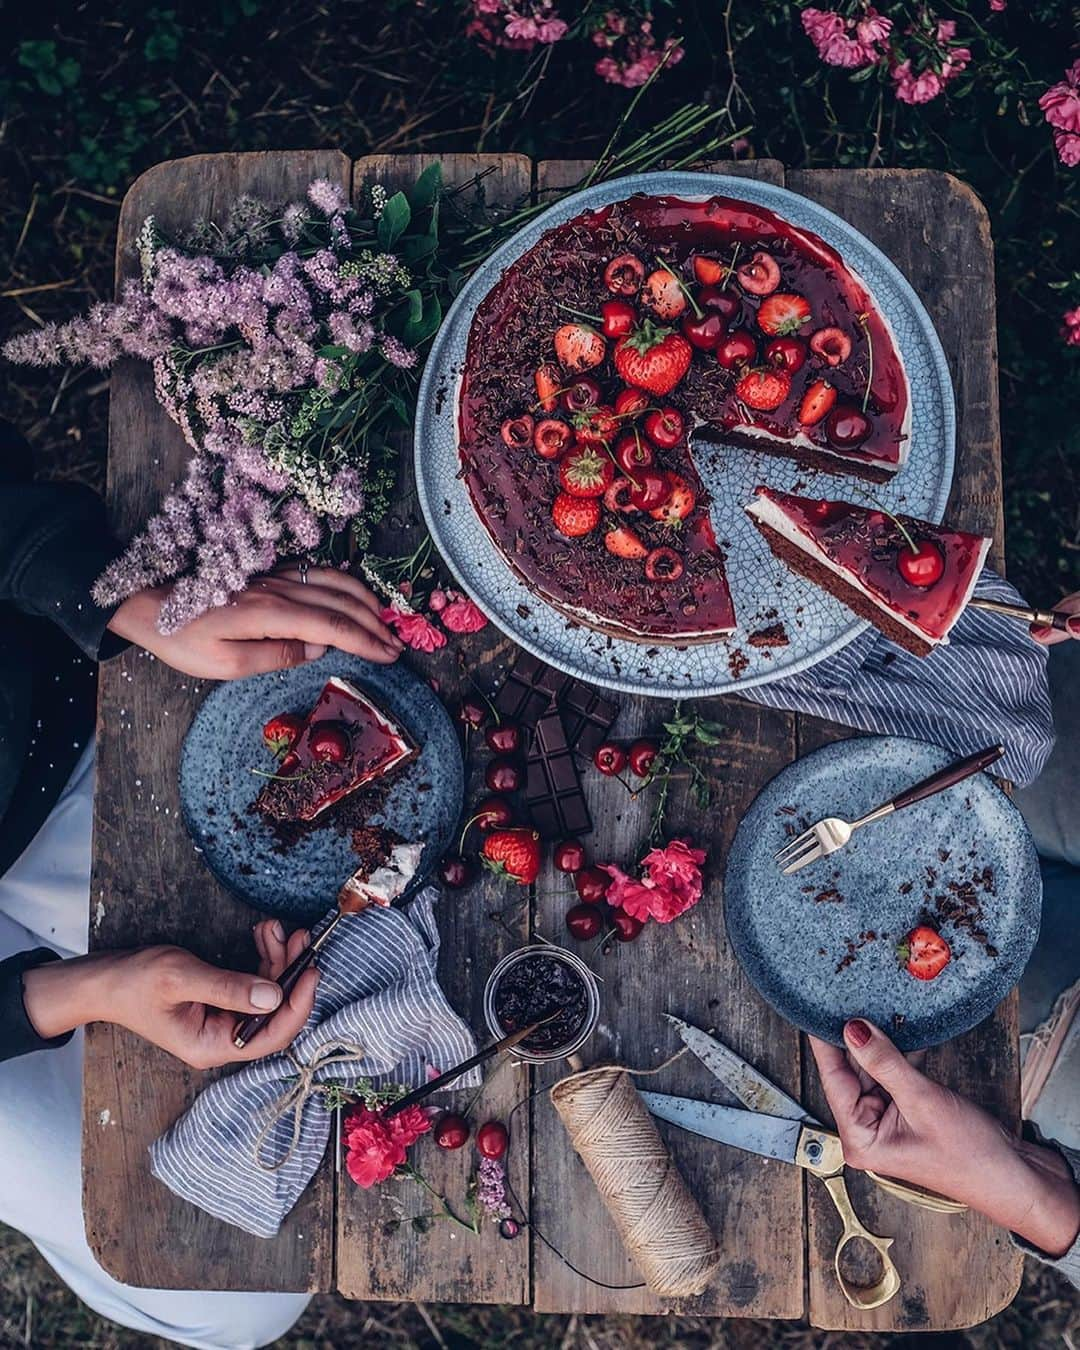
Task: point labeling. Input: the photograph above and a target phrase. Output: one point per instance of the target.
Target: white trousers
(44, 902)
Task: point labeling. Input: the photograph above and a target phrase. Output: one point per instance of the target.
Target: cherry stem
(864, 324)
(480, 815)
(593, 318)
(731, 266)
(698, 313)
(895, 520)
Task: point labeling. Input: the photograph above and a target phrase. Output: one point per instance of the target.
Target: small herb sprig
(685, 732)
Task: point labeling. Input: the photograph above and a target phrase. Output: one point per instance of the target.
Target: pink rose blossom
(946, 30)
(831, 35)
(437, 601)
(671, 883)
(375, 1146)
(912, 88)
(460, 615)
(1061, 102)
(1071, 326)
(996, 6)
(413, 629)
(1067, 144)
(638, 898)
(872, 28)
(678, 866)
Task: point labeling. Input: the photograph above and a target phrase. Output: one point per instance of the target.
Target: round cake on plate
(619, 341)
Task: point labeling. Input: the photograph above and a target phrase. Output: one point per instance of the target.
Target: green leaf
(416, 246)
(425, 190)
(401, 408)
(394, 220)
(421, 328)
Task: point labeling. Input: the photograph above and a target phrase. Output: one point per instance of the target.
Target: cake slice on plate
(344, 743)
(909, 578)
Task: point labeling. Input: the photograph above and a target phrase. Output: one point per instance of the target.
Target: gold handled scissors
(774, 1125)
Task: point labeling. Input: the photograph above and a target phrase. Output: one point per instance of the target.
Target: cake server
(1041, 618)
(832, 833)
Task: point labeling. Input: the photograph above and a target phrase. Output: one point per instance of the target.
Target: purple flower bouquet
(278, 344)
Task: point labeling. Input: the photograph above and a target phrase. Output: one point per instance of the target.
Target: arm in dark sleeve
(17, 1035)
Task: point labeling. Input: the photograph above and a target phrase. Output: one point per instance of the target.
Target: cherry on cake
(909, 578)
(344, 743)
(621, 335)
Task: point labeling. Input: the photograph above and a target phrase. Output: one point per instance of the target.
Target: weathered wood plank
(936, 231)
(687, 969)
(445, 1263)
(148, 884)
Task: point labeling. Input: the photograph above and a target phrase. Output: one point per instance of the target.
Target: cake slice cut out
(864, 557)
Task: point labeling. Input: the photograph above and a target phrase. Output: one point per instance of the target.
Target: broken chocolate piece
(553, 792)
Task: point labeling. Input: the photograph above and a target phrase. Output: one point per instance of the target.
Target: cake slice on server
(387, 866)
(907, 577)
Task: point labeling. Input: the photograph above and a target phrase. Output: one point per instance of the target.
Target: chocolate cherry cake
(909, 578)
(612, 341)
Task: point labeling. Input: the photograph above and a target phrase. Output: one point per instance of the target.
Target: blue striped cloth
(378, 994)
(988, 684)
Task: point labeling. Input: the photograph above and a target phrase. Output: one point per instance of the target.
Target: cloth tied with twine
(250, 1143)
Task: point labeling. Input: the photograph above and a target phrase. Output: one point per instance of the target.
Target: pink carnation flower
(460, 615)
(678, 867)
(638, 898)
(413, 629)
(671, 883)
(375, 1146)
(1071, 326)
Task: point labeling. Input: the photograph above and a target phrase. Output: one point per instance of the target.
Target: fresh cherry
(922, 566)
(847, 427)
(617, 497)
(618, 318)
(650, 489)
(329, 742)
(625, 925)
(631, 402)
(502, 775)
(473, 713)
(493, 813)
(737, 349)
(665, 428)
(504, 738)
(288, 765)
(584, 922)
(592, 884)
(724, 303)
(492, 1139)
(761, 275)
(455, 871)
(582, 394)
(633, 453)
(705, 333)
(641, 757)
(663, 564)
(569, 855)
(609, 758)
(787, 353)
(623, 275)
(552, 437)
(509, 1228)
(517, 432)
(451, 1131)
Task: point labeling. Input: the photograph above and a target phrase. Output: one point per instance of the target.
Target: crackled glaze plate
(820, 945)
(816, 624)
(217, 785)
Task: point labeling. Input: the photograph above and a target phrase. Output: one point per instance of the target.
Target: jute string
(659, 1221)
(303, 1086)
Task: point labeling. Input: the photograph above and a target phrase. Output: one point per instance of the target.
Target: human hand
(1049, 636)
(894, 1120)
(277, 622)
(173, 999)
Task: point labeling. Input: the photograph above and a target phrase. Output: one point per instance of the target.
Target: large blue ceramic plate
(217, 785)
(817, 625)
(805, 941)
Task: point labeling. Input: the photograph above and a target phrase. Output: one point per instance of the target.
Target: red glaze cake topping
(908, 577)
(607, 344)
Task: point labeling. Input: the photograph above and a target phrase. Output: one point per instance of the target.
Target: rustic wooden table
(775, 1228)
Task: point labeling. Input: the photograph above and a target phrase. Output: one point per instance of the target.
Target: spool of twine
(659, 1221)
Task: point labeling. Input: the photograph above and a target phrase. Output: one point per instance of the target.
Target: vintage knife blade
(769, 1136)
(742, 1080)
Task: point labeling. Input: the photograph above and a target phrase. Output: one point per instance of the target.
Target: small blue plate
(805, 940)
(224, 743)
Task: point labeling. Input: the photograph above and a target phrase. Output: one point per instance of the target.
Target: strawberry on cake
(909, 578)
(613, 339)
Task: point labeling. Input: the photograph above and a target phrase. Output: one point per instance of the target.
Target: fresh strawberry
(575, 516)
(630, 403)
(764, 389)
(924, 953)
(831, 343)
(624, 543)
(707, 270)
(653, 358)
(761, 275)
(551, 437)
(586, 472)
(680, 502)
(663, 293)
(280, 732)
(665, 428)
(623, 275)
(514, 854)
(548, 380)
(619, 317)
(783, 313)
(579, 347)
(817, 401)
(596, 426)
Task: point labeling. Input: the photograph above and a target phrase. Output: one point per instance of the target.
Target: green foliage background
(92, 93)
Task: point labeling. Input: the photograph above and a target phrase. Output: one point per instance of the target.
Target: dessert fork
(832, 833)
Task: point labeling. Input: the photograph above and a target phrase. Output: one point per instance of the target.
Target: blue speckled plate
(224, 743)
(803, 939)
(816, 624)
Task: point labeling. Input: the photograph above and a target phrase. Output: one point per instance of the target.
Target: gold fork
(832, 833)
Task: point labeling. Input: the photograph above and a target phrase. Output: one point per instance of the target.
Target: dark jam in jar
(534, 987)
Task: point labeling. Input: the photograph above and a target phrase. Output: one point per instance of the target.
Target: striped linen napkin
(250, 1143)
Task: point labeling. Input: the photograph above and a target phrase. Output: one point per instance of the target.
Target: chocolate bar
(556, 803)
(529, 688)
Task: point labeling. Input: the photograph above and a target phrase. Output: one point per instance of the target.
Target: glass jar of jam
(534, 982)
